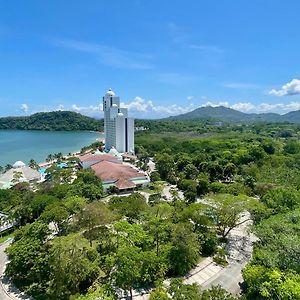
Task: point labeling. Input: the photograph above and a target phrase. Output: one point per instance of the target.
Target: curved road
(239, 247)
(7, 290)
(3, 262)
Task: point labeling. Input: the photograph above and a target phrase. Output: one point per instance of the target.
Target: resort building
(118, 128)
(113, 172)
(19, 173)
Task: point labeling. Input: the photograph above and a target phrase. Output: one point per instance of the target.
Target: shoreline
(73, 154)
(25, 145)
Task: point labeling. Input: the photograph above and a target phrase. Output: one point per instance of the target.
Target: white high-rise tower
(118, 128)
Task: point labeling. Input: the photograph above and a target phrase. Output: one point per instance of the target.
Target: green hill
(225, 114)
(292, 117)
(52, 121)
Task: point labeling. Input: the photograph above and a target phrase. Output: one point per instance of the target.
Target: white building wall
(120, 134)
(110, 134)
(130, 135)
(117, 134)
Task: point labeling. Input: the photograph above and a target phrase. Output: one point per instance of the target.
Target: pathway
(7, 290)
(239, 247)
(166, 192)
(207, 273)
(204, 271)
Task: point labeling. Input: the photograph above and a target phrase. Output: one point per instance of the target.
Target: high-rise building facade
(118, 128)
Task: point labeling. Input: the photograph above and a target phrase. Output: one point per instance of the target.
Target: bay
(32, 144)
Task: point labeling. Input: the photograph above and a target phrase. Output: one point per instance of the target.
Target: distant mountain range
(68, 120)
(225, 114)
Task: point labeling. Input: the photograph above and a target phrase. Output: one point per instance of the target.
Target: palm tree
(8, 167)
(58, 155)
(49, 158)
(33, 164)
(16, 177)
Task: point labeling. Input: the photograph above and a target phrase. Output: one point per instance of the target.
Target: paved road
(7, 290)
(204, 271)
(240, 246)
(3, 261)
(229, 278)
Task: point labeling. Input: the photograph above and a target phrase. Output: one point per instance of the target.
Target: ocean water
(29, 144)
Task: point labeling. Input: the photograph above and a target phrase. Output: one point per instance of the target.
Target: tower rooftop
(110, 92)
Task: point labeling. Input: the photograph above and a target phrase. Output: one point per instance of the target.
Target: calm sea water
(27, 144)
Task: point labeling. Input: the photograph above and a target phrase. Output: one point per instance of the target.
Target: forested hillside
(56, 120)
(225, 114)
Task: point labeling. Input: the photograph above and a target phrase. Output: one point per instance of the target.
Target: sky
(161, 57)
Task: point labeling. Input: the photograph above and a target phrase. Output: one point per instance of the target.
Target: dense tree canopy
(56, 120)
(76, 242)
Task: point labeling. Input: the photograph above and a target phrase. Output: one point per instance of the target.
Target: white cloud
(141, 108)
(243, 106)
(189, 98)
(263, 107)
(289, 89)
(173, 109)
(292, 106)
(215, 104)
(60, 107)
(24, 107)
(140, 105)
(87, 109)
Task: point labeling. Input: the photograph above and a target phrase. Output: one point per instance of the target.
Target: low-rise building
(114, 173)
(19, 173)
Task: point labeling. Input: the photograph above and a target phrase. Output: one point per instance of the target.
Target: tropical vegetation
(75, 242)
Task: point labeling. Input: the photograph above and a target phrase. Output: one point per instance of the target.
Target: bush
(209, 243)
(154, 176)
(235, 188)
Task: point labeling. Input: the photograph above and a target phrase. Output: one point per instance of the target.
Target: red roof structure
(119, 174)
(97, 157)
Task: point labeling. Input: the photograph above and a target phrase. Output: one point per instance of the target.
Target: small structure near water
(19, 173)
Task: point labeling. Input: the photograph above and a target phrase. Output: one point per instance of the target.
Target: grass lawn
(154, 188)
(5, 237)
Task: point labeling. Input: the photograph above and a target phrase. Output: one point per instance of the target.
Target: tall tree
(73, 265)
(128, 263)
(29, 258)
(185, 250)
(180, 291)
(231, 211)
(93, 215)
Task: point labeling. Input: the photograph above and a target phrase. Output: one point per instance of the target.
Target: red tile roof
(116, 172)
(124, 184)
(98, 157)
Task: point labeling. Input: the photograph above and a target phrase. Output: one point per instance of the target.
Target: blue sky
(161, 57)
